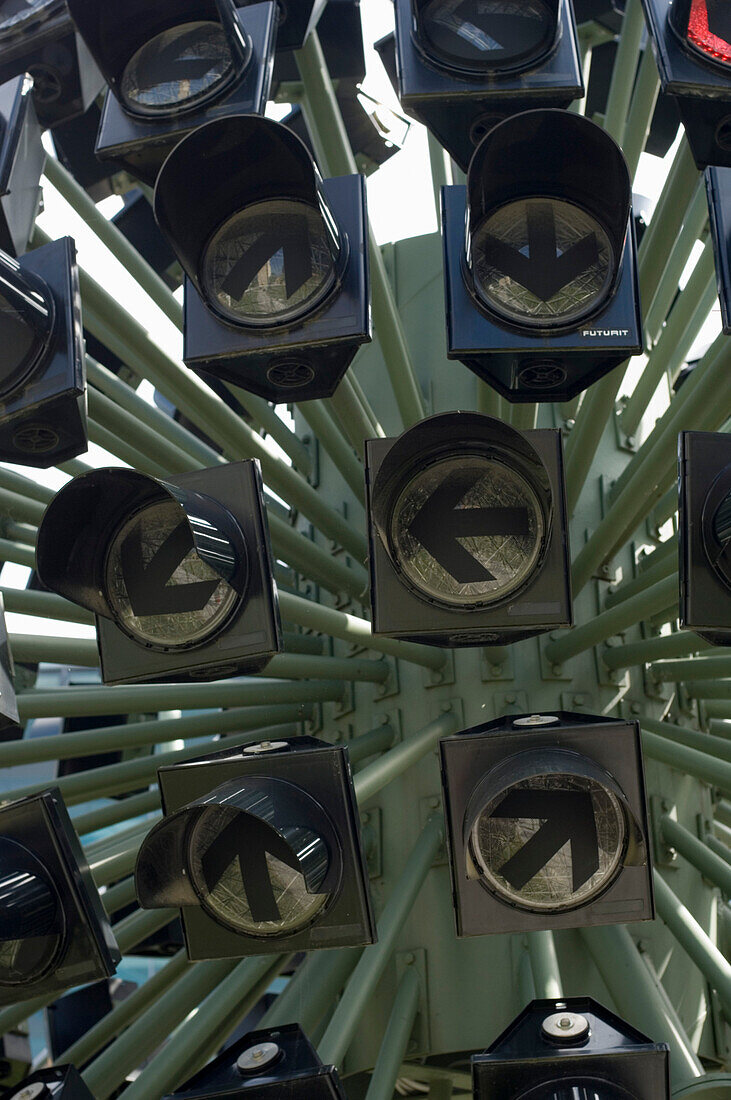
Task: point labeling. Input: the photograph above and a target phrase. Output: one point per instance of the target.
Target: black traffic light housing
(71, 1016)
(43, 41)
(136, 221)
(460, 102)
(574, 1047)
(221, 173)
(220, 619)
(587, 772)
(21, 163)
(704, 511)
(10, 726)
(74, 142)
(609, 13)
(265, 1065)
(579, 317)
(138, 141)
(533, 598)
(53, 928)
(43, 391)
(290, 802)
(53, 1083)
(296, 19)
(694, 73)
(341, 36)
(718, 192)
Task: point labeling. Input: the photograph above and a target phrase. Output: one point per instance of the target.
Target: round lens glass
(29, 904)
(21, 346)
(160, 591)
(541, 262)
(467, 530)
(177, 68)
(709, 30)
(578, 1089)
(269, 263)
(551, 842)
(243, 885)
(487, 34)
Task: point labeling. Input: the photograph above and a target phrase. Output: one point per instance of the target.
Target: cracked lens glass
(541, 261)
(569, 851)
(269, 262)
(177, 67)
(13, 13)
(487, 33)
(581, 1089)
(467, 530)
(160, 591)
(228, 902)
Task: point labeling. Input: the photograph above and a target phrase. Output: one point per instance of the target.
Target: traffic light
(53, 1083)
(704, 521)
(541, 289)
(54, 932)
(296, 19)
(260, 849)
(74, 142)
(10, 727)
(468, 532)
(137, 222)
(692, 44)
(172, 66)
(276, 295)
(340, 32)
(609, 13)
(718, 192)
(21, 163)
(39, 37)
(178, 572)
(43, 374)
(265, 1065)
(465, 65)
(573, 1049)
(546, 823)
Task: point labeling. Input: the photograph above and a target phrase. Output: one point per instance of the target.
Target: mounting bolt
(557, 670)
(446, 706)
(635, 708)
(384, 719)
(630, 441)
(434, 803)
(409, 958)
(365, 818)
(495, 670)
(578, 700)
(510, 699)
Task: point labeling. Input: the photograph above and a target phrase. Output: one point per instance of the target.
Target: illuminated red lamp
(709, 29)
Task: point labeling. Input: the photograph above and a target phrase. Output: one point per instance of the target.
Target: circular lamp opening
(478, 36)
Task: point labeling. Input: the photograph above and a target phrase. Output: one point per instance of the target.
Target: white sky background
(401, 204)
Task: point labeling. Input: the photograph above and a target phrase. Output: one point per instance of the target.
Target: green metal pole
(694, 225)
(702, 689)
(524, 416)
(489, 400)
(591, 420)
(121, 810)
(369, 744)
(17, 553)
(440, 174)
(662, 563)
(313, 988)
(27, 601)
(623, 73)
(702, 742)
(709, 769)
(396, 1038)
(353, 414)
(641, 109)
(346, 462)
(24, 486)
(391, 764)
(21, 508)
(714, 664)
(667, 219)
(119, 896)
(373, 962)
(698, 854)
(679, 644)
(544, 965)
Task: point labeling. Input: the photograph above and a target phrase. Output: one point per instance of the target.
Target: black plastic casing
(701, 89)
(341, 37)
(718, 192)
(302, 17)
(459, 110)
(297, 1074)
(137, 222)
(613, 1054)
(323, 771)
(370, 147)
(21, 164)
(467, 757)
(705, 601)
(43, 421)
(74, 142)
(317, 348)
(543, 604)
(63, 1082)
(139, 146)
(10, 725)
(71, 1016)
(41, 824)
(506, 358)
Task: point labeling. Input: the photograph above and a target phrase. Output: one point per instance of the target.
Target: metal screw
(257, 1058)
(557, 670)
(410, 958)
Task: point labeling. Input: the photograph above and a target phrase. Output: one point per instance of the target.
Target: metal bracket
(504, 670)
(511, 702)
(441, 677)
(312, 446)
(391, 686)
(420, 1041)
(427, 806)
(372, 837)
(624, 442)
(577, 700)
(663, 855)
(347, 703)
(550, 670)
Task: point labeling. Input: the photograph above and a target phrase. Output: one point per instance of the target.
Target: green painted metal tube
(395, 1038)
(662, 563)
(666, 507)
(612, 621)
(17, 553)
(55, 650)
(623, 72)
(295, 641)
(368, 744)
(641, 109)
(373, 961)
(639, 997)
(313, 988)
(109, 1069)
(20, 507)
(353, 414)
(694, 224)
(27, 601)
(134, 457)
(709, 769)
(489, 400)
(112, 864)
(524, 416)
(719, 728)
(717, 708)
(714, 664)
(129, 430)
(698, 853)
(391, 764)
(708, 689)
(722, 813)
(96, 850)
(667, 219)
(21, 532)
(346, 462)
(591, 420)
(329, 131)
(544, 965)
(266, 416)
(719, 849)
(703, 742)
(24, 486)
(679, 644)
(121, 810)
(119, 896)
(694, 941)
(349, 628)
(138, 926)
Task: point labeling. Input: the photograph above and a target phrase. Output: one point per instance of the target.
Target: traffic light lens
(13, 13)
(160, 591)
(20, 344)
(541, 262)
(269, 263)
(253, 891)
(177, 68)
(577, 1090)
(467, 530)
(551, 842)
(30, 904)
(709, 29)
(487, 34)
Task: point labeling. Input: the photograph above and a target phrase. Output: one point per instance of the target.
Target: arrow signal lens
(467, 530)
(578, 1088)
(31, 926)
(269, 263)
(161, 592)
(709, 29)
(541, 262)
(551, 842)
(487, 34)
(177, 68)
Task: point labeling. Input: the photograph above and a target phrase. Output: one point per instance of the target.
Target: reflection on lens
(579, 1089)
(13, 13)
(487, 34)
(177, 68)
(21, 347)
(29, 905)
(551, 842)
(709, 30)
(467, 530)
(541, 262)
(161, 592)
(253, 891)
(269, 263)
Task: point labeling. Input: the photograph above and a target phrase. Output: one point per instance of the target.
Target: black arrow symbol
(148, 587)
(250, 846)
(297, 259)
(440, 522)
(567, 817)
(171, 60)
(543, 272)
(719, 19)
